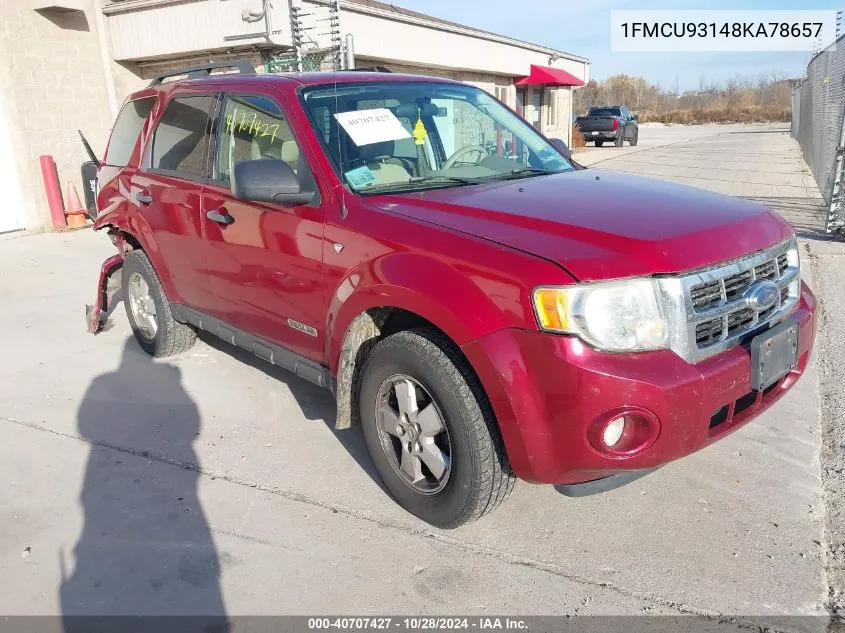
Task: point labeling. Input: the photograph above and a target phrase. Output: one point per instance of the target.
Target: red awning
(547, 76)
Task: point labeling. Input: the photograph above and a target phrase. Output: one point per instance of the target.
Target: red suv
(482, 305)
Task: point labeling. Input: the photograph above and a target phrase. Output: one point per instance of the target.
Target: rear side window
(182, 135)
(126, 129)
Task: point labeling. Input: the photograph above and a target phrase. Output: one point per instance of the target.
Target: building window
(502, 94)
(536, 107)
(551, 106)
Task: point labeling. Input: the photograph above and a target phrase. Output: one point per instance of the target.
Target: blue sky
(582, 27)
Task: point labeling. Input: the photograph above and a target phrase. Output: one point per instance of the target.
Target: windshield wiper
(438, 178)
(416, 180)
(522, 172)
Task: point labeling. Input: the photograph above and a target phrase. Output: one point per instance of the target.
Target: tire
(599, 143)
(170, 337)
(635, 138)
(479, 477)
(619, 139)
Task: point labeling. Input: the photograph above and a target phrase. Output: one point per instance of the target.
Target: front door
(264, 261)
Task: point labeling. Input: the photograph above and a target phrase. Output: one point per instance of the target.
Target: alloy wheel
(413, 434)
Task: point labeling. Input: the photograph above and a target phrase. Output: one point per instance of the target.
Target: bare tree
(766, 97)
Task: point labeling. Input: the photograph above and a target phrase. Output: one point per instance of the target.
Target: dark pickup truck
(609, 123)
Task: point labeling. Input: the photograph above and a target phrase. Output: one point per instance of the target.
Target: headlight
(794, 258)
(620, 316)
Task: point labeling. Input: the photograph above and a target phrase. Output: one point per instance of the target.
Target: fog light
(623, 432)
(613, 431)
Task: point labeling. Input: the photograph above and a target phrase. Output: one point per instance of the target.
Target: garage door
(11, 210)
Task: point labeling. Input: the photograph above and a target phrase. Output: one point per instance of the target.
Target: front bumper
(546, 390)
(601, 136)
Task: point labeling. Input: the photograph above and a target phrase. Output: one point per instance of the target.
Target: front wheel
(635, 138)
(430, 430)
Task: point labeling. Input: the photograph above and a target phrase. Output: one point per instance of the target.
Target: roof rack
(370, 69)
(198, 72)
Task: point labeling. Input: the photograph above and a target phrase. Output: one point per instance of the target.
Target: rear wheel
(619, 139)
(430, 431)
(148, 310)
(599, 143)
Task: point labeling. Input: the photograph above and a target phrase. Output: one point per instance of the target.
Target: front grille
(708, 332)
(721, 292)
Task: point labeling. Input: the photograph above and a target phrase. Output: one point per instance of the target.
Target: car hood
(598, 224)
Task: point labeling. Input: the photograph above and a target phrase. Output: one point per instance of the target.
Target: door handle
(220, 218)
(144, 198)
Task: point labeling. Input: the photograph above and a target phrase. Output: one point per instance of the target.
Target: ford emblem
(762, 295)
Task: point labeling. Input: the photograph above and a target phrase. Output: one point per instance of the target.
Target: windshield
(405, 136)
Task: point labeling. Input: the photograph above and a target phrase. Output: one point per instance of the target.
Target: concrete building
(68, 65)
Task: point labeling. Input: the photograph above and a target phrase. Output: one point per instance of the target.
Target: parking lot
(285, 514)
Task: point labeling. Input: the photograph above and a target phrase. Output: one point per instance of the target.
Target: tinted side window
(181, 137)
(126, 129)
(253, 128)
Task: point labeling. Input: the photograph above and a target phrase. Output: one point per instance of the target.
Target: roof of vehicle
(303, 79)
(346, 76)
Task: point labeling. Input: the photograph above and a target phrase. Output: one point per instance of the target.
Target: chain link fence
(818, 108)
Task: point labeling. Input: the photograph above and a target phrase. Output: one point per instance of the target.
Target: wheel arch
(366, 329)
(131, 231)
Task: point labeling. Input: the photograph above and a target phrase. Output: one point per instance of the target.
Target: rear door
(264, 260)
(168, 188)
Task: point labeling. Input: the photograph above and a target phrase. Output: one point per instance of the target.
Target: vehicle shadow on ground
(146, 547)
(316, 403)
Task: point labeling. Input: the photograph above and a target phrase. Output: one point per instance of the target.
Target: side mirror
(563, 148)
(268, 180)
(635, 117)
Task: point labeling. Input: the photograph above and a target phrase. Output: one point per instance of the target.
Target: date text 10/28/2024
(481, 623)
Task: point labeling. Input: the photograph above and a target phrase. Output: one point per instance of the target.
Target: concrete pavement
(212, 482)
(758, 162)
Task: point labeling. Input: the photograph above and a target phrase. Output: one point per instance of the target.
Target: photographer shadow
(146, 548)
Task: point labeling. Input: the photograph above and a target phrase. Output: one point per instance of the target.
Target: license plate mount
(594, 133)
(774, 354)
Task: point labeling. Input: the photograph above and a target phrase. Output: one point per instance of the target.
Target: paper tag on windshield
(366, 127)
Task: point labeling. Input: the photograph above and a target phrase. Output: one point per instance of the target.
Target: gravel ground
(828, 262)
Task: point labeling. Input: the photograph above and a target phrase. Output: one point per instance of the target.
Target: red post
(53, 191)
